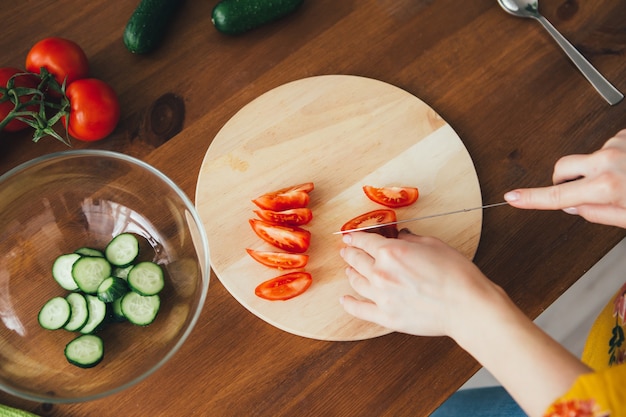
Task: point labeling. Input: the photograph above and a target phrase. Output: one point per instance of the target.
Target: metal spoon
(530, 9)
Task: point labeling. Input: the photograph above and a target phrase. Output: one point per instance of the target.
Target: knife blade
(430, 216)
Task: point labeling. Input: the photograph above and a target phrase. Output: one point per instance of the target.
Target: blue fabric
(480, 402)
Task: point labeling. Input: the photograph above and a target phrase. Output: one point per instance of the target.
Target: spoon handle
(601, 84)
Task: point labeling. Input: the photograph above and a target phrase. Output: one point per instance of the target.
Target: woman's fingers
(608, 215)
(570, 168)
(606, 189)
(360, 260)
(360, 283)
(368, 242)
(361, 309)
(597, 179)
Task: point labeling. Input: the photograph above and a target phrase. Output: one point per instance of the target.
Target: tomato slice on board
(283, 200)
(393, 197)
(375, 217)
(291, 217)
(279, 260)
(296, 196)
(292, 239)
(284, 286)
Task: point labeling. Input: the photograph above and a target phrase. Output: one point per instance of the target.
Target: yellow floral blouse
(603, 392)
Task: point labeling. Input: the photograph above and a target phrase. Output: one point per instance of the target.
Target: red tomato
(284, 286)
(296, 196)
(375, 217)
(280, 260)
(393, 197)
(291, 217)
(61, 57)
(7, 106)
(282, 200)
(94, 109)
(289, 238)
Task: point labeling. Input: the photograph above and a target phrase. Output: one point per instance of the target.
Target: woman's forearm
(529, 364)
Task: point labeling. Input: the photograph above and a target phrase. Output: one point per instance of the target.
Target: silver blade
(376, 226)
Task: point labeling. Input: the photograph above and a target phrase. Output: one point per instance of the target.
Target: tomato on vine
(62, 58)
(94, 109)
(16, 98)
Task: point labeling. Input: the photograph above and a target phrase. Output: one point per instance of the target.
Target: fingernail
(512, 196)
(571, 210)
(342, 251)
(347, 238)
(341, 300)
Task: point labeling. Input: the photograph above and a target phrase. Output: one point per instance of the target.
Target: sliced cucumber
(111, 289)
(122, 250)
(122, 272)
(85, 351)
(116, 311)
(146, 278)
(87, 251)
(89, 272)
(97, 313)
(140, 309)
(54, 314)
(79, 312)
(105, 286)
(62, 271)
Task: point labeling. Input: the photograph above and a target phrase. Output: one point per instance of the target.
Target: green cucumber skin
(234, 17)
(148, 24)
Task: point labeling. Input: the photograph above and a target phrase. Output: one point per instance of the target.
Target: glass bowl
(58, 203)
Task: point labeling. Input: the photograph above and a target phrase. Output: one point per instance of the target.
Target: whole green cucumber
(148, 24)
(233, 17)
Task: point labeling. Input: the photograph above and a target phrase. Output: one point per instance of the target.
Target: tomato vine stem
(49, 97)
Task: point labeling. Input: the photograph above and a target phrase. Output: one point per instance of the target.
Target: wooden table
(505, 87)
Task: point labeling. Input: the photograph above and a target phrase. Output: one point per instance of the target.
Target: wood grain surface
(501, 82)
(339, 132)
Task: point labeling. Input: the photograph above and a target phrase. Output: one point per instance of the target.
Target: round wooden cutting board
(339, 132)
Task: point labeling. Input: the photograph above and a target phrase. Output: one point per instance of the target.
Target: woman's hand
(414, 284)
(592, 186)
(421, 286)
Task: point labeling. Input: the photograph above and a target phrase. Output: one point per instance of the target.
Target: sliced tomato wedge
(292, 239)
(284, 286)
(370, 218)
(279, 260)
(291, 217)
(296, 196)
(393, 197)
(283, 200)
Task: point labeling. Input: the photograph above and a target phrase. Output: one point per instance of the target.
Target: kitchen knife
(375, 226)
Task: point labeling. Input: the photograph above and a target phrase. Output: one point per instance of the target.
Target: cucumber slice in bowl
(111, 289)
(89, 272)
(97, 313)
(85, 351)
(117, 315)
(62, 271)
(87, 251)
(146, 278)
(122, 272)
(122, 250)
(140, 309)
(79, 312)
(54, 314)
